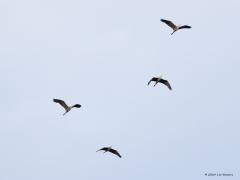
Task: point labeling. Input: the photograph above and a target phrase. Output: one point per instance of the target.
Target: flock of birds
(155, 79)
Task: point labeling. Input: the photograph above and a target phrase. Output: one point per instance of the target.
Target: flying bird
(174, 27)
(65, 106)
(161, 80)
(109, 149)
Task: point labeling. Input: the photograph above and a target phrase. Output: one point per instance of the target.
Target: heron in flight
(160, 80)
(109, 149)
(65, 106)
(174, 27)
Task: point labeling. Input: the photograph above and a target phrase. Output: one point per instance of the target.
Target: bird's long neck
(67, 110)
(158, 79)
(174, 31)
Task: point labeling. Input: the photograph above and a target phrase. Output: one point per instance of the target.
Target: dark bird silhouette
(65, 106)
(161, 80)
(109, 149)
(174, 27)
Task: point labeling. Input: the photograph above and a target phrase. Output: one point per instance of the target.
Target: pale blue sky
(101, 54)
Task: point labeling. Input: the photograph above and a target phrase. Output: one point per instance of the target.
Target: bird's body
(174, 27)
(160, 80)
(109, 149)
(65, 106)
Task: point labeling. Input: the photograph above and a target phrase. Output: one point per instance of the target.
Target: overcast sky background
(101, 54)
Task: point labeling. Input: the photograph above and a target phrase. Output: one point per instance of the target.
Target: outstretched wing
(169, 23)
(153, 79)
(77, 106)
(185, 27)
(103, 149)
(166, 83)
(61, 102)
(115, 152)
